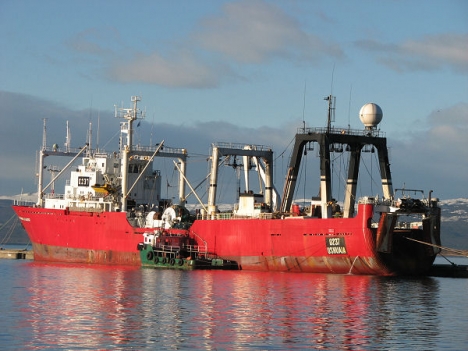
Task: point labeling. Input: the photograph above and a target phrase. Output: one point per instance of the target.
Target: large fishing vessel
(112, 211)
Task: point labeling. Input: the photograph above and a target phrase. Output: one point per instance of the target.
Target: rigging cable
(460, 252)
(9, 233)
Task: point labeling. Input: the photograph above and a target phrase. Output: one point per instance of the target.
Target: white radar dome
(370, 115)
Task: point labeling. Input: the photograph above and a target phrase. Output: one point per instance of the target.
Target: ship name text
(336, 246)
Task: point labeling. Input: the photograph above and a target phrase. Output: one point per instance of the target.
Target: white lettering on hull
(336, 246)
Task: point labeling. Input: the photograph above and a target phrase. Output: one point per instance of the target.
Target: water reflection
(90, 307)
(71, 306)
(231, 310)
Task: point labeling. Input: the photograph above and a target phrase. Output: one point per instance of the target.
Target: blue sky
(241, 71)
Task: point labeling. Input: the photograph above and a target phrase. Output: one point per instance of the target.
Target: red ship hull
(80, 237)
(301, 244)
(294, 244)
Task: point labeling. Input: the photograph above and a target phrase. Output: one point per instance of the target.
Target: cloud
(437, 156)
(181, 70)
(447, 138)
(246, 32)
(455, 116)
(429, 53)
(434, 158)
(93, 41)
(24, 115)
(21, 135)
(255, 32)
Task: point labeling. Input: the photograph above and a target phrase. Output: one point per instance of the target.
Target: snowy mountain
(455, 223)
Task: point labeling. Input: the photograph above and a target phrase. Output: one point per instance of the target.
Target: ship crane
(249, 151)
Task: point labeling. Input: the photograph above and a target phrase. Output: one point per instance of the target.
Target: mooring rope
(460, 252)
(10, 230)
(4, 224)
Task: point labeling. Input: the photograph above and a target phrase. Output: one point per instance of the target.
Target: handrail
(337, 130)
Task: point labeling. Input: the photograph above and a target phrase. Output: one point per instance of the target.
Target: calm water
(71, 307)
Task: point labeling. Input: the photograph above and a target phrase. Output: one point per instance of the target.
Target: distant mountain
(454, 223)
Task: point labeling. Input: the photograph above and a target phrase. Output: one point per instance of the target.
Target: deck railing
(337, 130)
(20, 202)
(229, 215)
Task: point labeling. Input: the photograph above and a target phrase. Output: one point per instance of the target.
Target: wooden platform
(17, 254)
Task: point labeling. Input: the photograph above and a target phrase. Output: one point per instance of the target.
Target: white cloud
(255, 31)
(455, 116)
(428, 53)
(246, 32)
(181, 70)
(448, 131)
(437, 156)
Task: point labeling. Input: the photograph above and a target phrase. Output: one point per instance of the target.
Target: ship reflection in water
(97, 307)
(71, 307)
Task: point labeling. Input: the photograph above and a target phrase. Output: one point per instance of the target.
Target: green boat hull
(170, 260)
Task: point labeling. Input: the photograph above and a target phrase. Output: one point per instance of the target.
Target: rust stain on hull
(76, 255)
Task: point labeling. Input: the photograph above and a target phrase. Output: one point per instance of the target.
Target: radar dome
(370, 115)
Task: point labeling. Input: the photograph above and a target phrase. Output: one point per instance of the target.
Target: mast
(68, 139)
(213, 180)
(90, 135)
(126, 128)
(41, 163)
(331, 111)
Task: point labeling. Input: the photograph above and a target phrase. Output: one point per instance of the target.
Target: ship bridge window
(132, 168)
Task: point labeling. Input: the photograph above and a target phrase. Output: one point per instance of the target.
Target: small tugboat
(167, 244)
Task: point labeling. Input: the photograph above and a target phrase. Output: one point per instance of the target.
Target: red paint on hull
(80, 237)
(294, 244)
(299, 244)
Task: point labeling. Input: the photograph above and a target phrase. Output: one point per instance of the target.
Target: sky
(238, 71)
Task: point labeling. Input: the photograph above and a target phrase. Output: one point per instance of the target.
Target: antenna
(303, 107)
(332, 77)
(90, 136)
(97, 135)
(349, 106)
(130, 115)
(68, 139)
(151, 135)
(331, 103)
(331, 111)
(44, 134)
